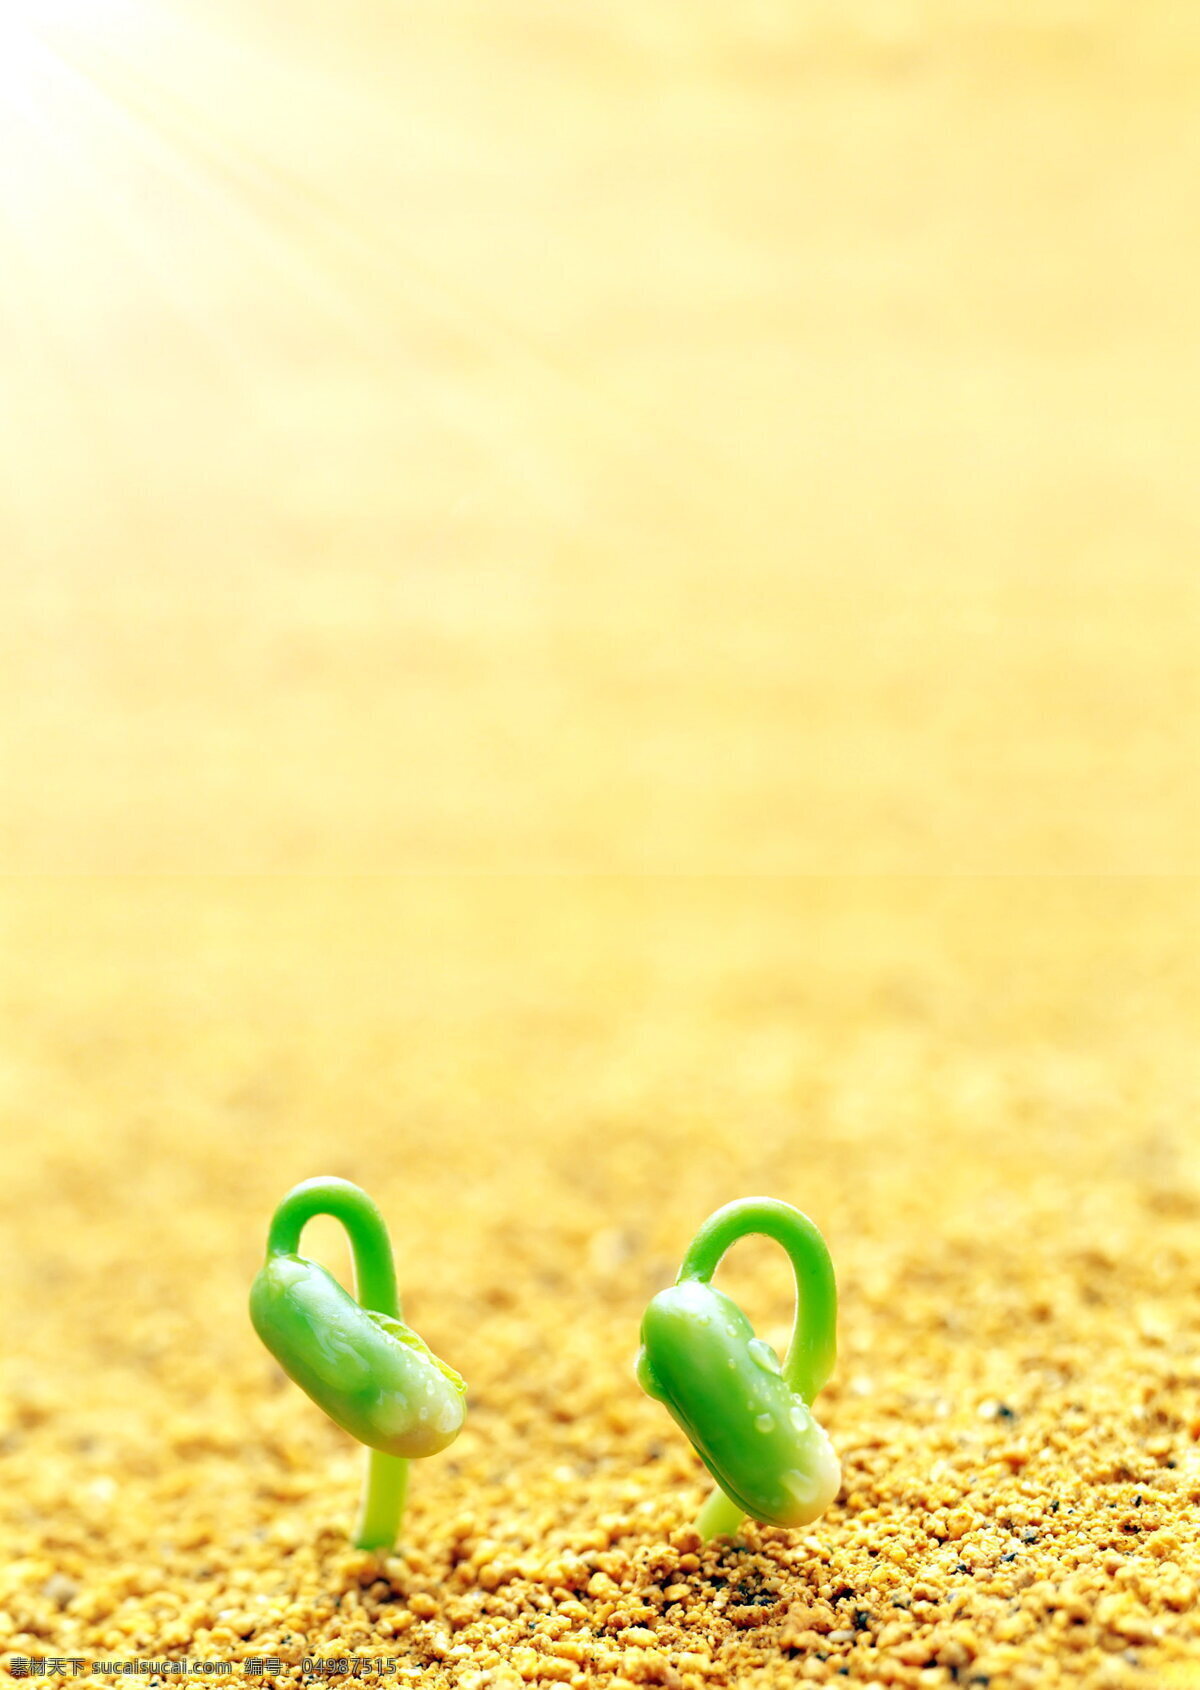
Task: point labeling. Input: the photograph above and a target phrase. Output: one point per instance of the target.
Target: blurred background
(600, 611)
(625, 436)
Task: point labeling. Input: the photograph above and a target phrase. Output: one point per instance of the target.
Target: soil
(983, 1093)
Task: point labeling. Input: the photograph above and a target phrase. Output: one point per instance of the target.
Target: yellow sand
(506, 508)
(984, 1094)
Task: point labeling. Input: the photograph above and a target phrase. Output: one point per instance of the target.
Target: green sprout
(748, 1416)
(357, 1360)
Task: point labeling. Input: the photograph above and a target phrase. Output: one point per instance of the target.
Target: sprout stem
(719, 1517)
(384, 1490)
(386, 1483)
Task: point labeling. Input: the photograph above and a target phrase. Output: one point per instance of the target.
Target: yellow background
(617, 436)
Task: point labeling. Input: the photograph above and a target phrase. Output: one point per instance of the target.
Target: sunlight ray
(320, 239)
(174, 145)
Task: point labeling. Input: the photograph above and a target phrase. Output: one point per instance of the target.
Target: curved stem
(813, 1347)
(374, 1269)
(386, 1482)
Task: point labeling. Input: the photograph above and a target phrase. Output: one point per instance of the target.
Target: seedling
(357, 1360)
(748, 1416)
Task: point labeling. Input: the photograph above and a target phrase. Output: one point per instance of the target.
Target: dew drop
(764, 1423)
(764, 1355)
(799, 1485)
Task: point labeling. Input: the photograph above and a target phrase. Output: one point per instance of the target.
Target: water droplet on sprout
(764, 1355)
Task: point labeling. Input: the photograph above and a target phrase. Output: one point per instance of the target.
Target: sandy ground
(985, 1095)
(599, 615)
